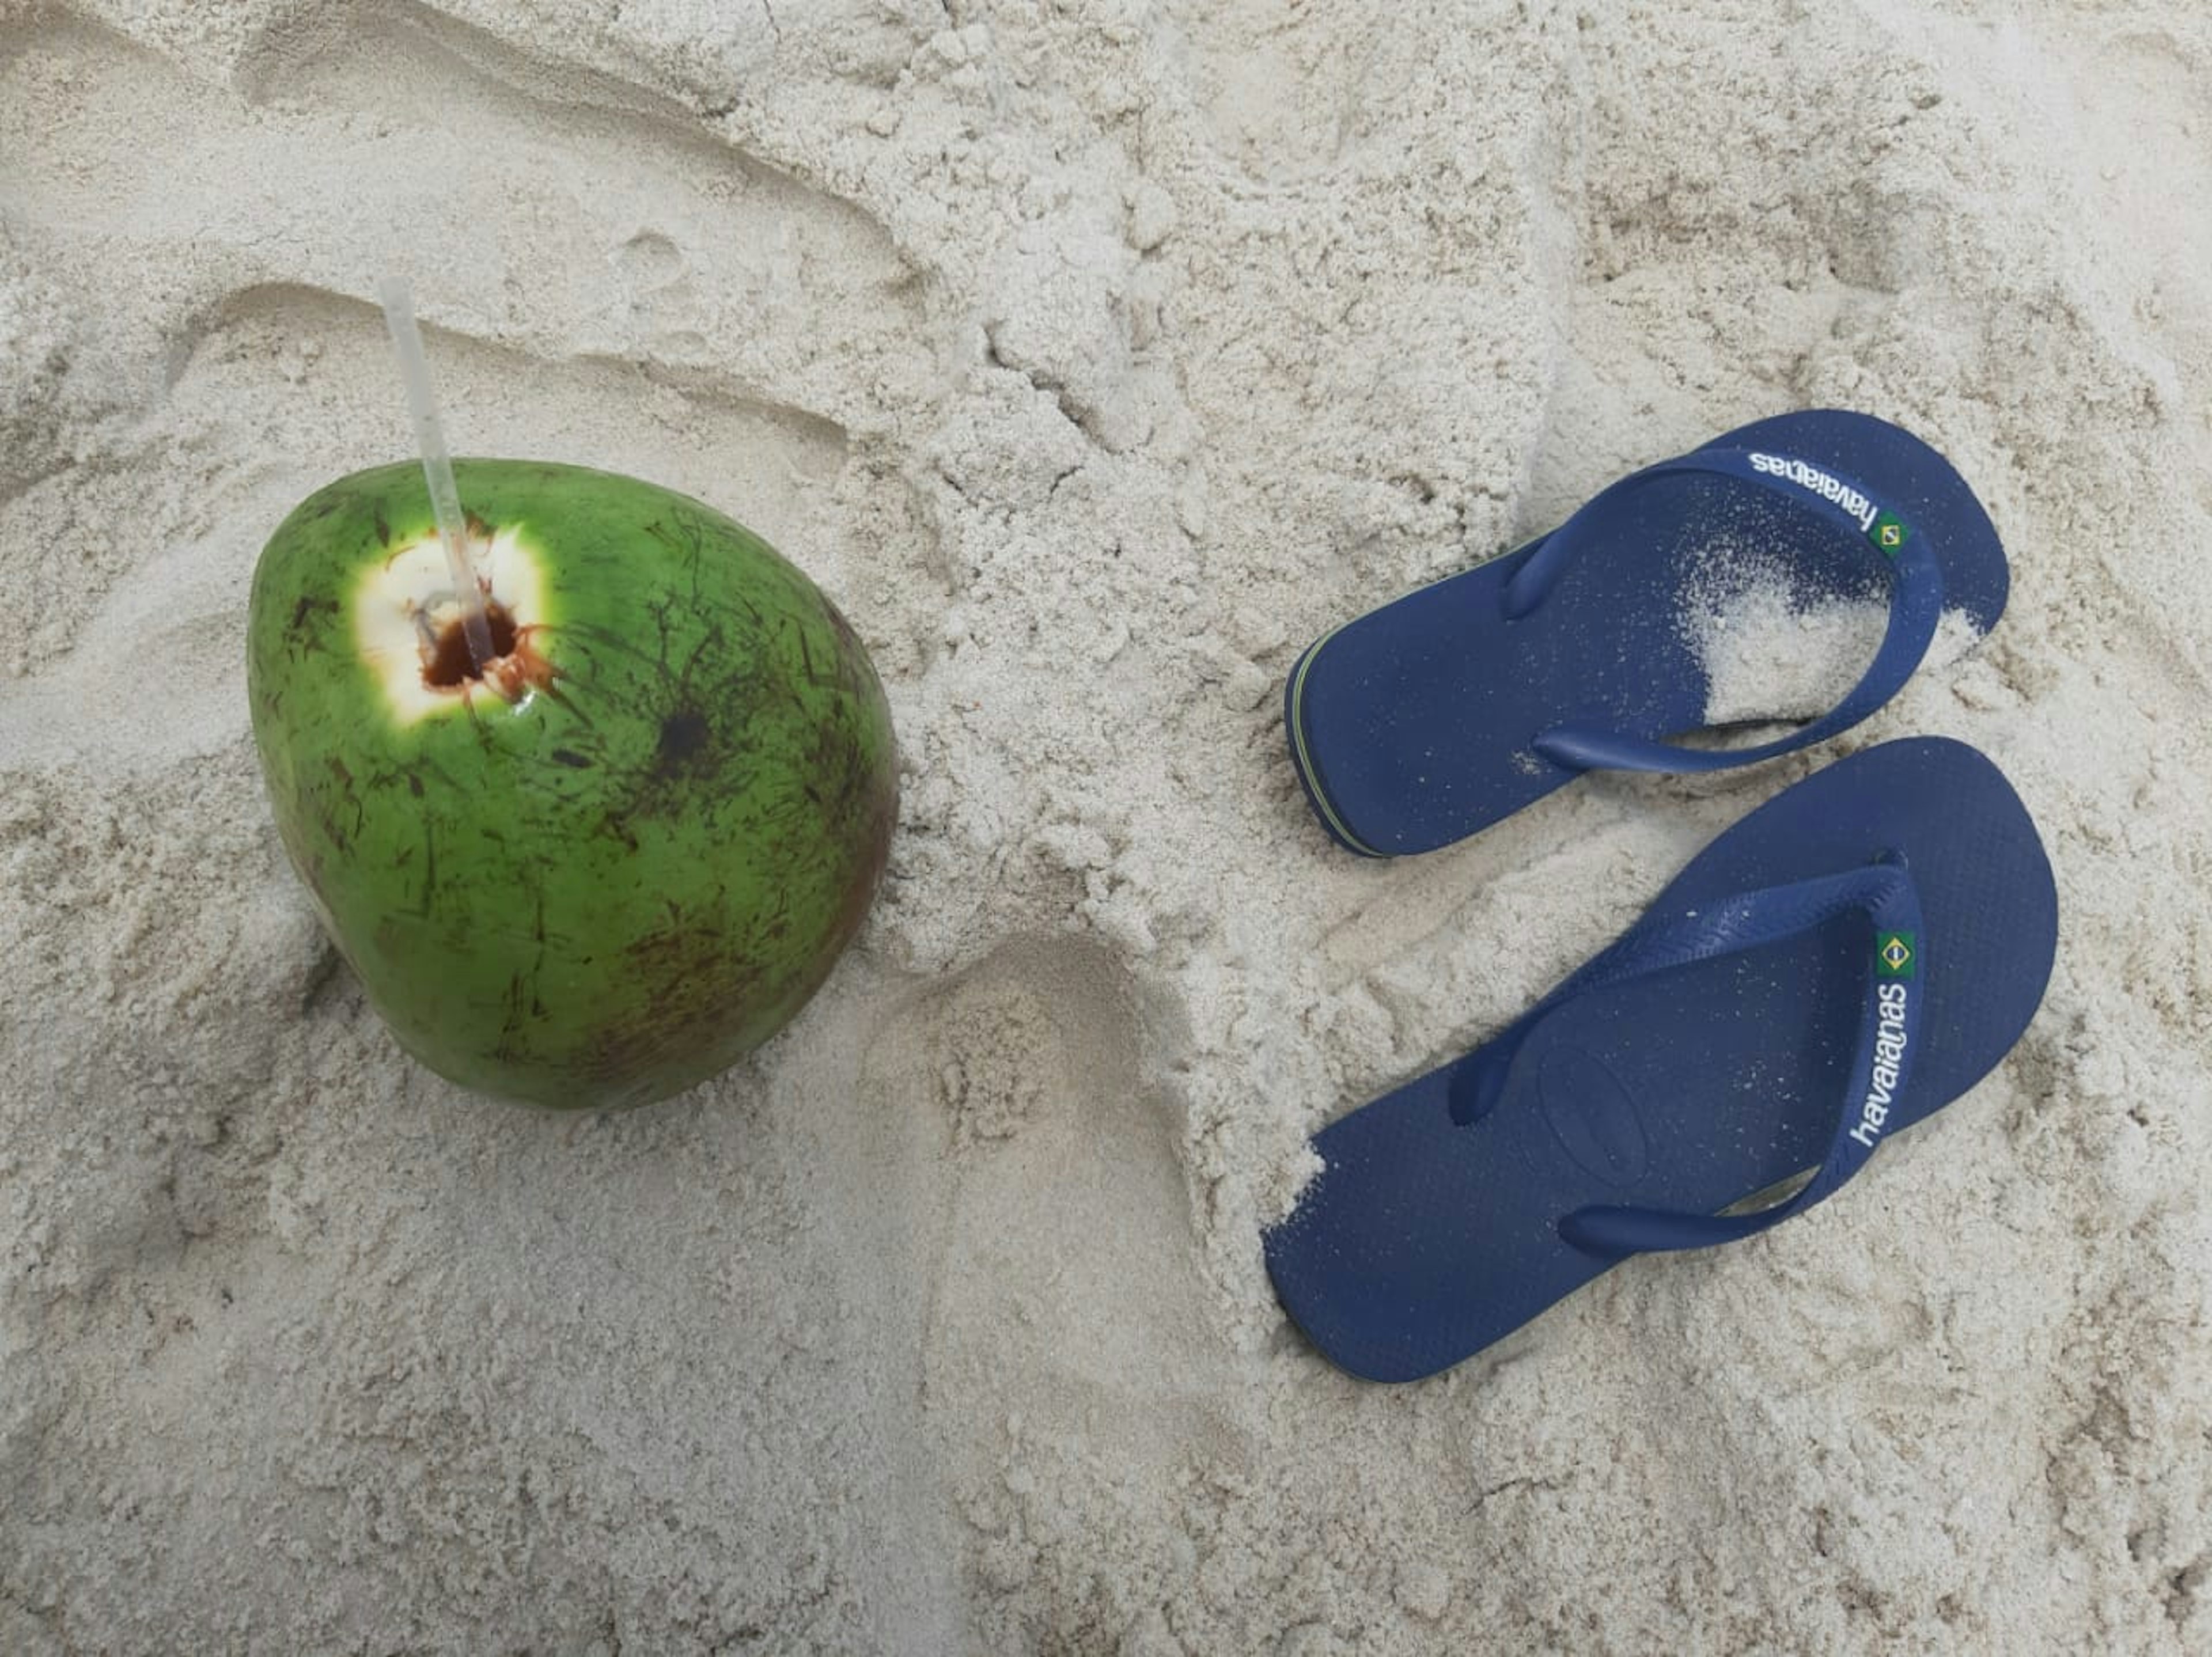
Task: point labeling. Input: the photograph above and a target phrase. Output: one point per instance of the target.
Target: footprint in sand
(1065, 1311)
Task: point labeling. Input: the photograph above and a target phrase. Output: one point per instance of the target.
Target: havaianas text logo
(1889, 1040)
(1884, 528)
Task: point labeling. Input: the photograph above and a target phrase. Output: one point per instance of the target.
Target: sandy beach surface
(1096, 355)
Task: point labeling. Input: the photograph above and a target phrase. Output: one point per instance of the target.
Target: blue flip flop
(1846, 959)
(1434, 716)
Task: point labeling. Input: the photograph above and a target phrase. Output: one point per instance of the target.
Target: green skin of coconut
(609, 868)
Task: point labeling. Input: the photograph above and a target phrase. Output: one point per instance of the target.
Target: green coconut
(627, 852)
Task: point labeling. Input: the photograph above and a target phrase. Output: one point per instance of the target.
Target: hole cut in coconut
(449, 664)
(409, 631)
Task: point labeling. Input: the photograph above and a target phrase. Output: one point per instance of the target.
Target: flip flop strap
(1916, 603)
(1888, 1034)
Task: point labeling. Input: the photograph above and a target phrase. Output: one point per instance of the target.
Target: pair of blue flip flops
(1849, 957)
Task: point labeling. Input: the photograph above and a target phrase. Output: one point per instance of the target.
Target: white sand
(1095, 356)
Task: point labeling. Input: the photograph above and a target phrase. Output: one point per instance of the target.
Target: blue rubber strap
(1888, 1035)
(1915, 608)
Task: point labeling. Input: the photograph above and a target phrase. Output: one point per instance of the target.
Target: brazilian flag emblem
(1889, 533)
(1895, 956)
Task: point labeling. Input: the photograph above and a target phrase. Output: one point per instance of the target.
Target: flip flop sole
(1423, 1241)
(1411, 726)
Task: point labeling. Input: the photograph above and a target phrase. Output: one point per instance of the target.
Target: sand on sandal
(1095, 356)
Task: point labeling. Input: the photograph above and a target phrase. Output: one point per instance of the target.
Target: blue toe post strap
(1888, 1033)
(1916, 603)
